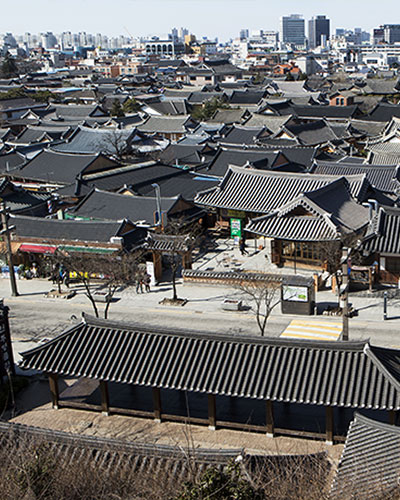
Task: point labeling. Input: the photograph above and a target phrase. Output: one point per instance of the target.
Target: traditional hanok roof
(10, 161)
(370, 463)
(242, 134)
(167, 243)
(264, 158)
(345, 374)
(272, 123)
(263, 191)
(328, 112)
(21, 201)
(386, 239)
(73, 111)
(317, 132)
(66, 230)
(111, 206)
(321, 215)
(166, 124)
(229, 116)
(384, 112)
(62, 168)
(382, 177)
(87, 140)
(169, 463)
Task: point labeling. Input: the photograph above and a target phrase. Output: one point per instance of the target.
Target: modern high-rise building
(391, 33)
(244, 34)
(292, 29)
(318, 30)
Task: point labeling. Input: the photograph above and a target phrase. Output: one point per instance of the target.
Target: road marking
(319, 330)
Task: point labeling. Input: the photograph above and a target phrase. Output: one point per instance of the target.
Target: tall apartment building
(318, 30)
(292, 29)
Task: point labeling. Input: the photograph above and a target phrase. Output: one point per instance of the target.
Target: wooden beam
(329, 424)
(53, 383)
(212, 412)
(392, 417)
(157, 404)
(270, 419)
(105, 400)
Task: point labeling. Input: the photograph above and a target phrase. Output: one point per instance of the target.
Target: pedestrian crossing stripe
(310, 330)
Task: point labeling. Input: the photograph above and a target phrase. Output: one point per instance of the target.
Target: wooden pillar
(53, 383)
(270, 419)
(329, 424)
(157, 404)
(212, 412)
(105, 400)
(392, 417)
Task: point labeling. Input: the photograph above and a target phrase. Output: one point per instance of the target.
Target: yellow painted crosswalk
(313, 330)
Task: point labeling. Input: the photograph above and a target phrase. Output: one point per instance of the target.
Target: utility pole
(344, 294)
(6, 232)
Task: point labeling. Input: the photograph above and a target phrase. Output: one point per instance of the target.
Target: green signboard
(236, 228)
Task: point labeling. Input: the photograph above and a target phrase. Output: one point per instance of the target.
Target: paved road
(34, 317)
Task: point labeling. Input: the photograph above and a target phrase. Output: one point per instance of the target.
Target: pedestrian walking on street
(147, 280)
(242, 247)
(139, 285)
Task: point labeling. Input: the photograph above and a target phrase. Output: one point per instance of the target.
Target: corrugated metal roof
(347, 374)
(370, 463)
(263, 191)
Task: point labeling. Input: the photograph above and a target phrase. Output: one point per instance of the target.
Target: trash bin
(297, 295)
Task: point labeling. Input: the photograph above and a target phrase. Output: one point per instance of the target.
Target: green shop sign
(236, 228)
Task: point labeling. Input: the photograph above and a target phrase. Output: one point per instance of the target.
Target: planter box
(231, 305)
(101, 296)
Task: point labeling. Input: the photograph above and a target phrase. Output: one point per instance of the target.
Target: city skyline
(137, 17)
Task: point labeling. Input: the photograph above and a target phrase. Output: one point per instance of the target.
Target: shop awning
(70, 248)
(32, 248)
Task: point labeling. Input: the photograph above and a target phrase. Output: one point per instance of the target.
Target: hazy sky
(222, 18)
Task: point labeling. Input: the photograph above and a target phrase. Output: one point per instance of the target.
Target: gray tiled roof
(67, 230)
(330, 212)
(89, 141)
(170, 463)
(346, 374)
(110, 206)
(370, 463)
(387, 238)
(383, 177)
(165, 124)
(57, 167)
(263, 191)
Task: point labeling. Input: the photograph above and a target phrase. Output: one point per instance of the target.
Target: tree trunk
(90, 297)
(111, 291)
(175, 297)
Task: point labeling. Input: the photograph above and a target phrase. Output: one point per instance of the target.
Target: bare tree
(110, 271)
(183, 236)
(115, 143)
(264, 296)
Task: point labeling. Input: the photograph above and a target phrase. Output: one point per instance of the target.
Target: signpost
(236, 229)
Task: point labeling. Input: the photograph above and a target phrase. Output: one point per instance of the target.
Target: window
(307, 252)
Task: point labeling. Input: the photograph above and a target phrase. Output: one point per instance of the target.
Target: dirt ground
(34, 408)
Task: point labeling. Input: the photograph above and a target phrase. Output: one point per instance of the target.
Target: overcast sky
(222, 18)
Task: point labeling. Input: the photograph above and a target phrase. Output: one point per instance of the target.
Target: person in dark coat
(242, 247)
